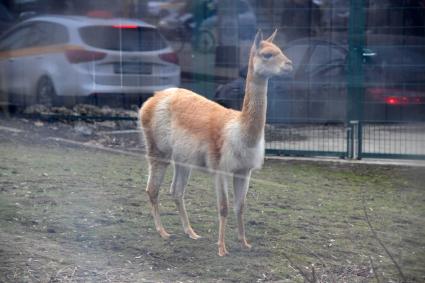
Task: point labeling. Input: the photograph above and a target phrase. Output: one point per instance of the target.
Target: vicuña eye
(267, 55)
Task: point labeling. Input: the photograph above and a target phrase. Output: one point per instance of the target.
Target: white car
(48, 57)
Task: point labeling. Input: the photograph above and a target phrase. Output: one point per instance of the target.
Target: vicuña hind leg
(157, 170)
(178, 186)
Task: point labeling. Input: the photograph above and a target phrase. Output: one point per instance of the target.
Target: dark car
(394, 81)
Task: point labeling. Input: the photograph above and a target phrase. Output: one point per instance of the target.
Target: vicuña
(188, 130)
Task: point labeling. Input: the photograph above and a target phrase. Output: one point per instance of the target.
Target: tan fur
(201, 117)
(190, 130)
(145, 117)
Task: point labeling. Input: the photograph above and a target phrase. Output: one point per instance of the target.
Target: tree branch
(375, 235)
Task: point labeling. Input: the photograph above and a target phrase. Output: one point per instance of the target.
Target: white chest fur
(236, 154)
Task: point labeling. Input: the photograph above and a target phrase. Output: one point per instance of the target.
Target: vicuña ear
(271, 38)
(258, 39)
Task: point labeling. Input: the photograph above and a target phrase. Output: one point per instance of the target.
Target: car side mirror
(368, 52)
(368, 55)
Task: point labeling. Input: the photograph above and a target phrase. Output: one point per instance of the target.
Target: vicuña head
(267, 59)
(190, 131)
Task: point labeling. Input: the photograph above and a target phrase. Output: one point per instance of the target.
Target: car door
(46, 47)
(326, 91)
(33, 50)
(11, 53)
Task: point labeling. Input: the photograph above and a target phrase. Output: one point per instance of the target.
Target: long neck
(253, 116)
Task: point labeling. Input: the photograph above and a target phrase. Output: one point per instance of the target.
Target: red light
(126, 26)
(170, 57)
(79, 55)
(392, 100)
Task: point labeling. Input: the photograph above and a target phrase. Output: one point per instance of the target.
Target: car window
(16, 39)
(409, 55)
(325, 55)
(44, 33)
(125, 39)
(409, 66)
(328, 72)
(296, 53)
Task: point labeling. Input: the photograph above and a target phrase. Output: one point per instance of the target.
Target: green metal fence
(356, 140)
(383, 88)
(395, 140)
(303, 139)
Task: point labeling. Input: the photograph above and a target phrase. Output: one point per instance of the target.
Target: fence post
(355, 140)
(355, 78)
(350, 142)
(359, 140)
(356, 39)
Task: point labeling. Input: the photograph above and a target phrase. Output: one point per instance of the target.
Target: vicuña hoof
(245, 244)
(222, 251)
(192, 234)
(164, 234)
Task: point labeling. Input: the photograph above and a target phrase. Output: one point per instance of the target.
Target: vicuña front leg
(222, 204)
(156, 175)
(240, 186)
(178, 186)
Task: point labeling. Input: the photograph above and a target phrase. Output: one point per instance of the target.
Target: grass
(82, 215)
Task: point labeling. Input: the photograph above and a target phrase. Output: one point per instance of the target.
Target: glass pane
(131, 38)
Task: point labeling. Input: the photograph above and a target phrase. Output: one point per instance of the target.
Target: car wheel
(205, 42)
(45, 92)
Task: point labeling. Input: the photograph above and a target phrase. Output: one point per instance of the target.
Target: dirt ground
(77, 212)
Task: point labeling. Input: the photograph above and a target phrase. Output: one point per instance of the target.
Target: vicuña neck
(253, 116)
